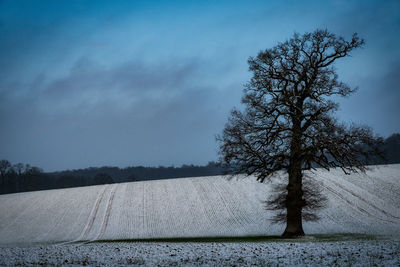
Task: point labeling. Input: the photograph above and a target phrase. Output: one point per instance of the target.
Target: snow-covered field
(194, 207)
(52, 227)
(350, 253)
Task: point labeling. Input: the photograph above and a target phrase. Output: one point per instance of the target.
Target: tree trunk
(294, 198)
(294, 205)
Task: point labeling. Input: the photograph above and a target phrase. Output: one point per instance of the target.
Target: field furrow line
(209, 207)
(143, 213)
(113, 228)
(92, 215)
(353, 205)
(382, 191)
(15, 205)
(149, 217)
(28, 209)
(228, 206)
(362, 199)
(234, 203)
(68, 234)
(332, 218)
(59, 220)
(130, 219)
(198, 199)
(108, 211)
(163, 207)
(154, 200)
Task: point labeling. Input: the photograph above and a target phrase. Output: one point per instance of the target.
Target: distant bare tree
(288, 122)
(5, 167)
(19, 168)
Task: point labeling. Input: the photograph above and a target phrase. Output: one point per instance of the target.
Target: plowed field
(195, 207)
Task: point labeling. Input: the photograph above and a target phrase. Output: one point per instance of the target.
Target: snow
(347, 253)
(194, 207)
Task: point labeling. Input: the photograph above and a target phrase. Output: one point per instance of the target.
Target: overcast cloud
(92, 83)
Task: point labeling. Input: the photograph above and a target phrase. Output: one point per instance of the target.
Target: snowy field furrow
(195, 207)
(372, 203)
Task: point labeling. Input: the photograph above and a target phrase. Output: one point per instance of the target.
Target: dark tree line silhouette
(15, 178)
(21, 178)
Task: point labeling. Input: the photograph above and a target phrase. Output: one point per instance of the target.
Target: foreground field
(194, 207)
(340, 253)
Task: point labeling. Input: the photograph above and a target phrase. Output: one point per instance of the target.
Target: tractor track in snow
(340, 196)
(91, 219)
(362, 199)
(108, 211)
(92, 215)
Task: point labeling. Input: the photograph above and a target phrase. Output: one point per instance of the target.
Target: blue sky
(92, 83)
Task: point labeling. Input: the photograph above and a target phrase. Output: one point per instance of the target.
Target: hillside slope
(195, 207)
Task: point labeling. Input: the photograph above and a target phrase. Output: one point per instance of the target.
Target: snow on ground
(194, 207)
(348, 253)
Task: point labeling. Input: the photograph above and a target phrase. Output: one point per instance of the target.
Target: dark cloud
(386, 100)
(376, 103)
(133, 113)
(84, 83)
(390, 82)
(133, 79)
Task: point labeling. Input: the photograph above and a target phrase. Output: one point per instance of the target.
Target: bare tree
(288, 121)
(5, 167)
(19, 168)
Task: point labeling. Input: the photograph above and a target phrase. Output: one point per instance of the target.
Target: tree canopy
(288, 122)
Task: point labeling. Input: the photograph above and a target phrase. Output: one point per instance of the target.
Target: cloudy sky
(121, 83)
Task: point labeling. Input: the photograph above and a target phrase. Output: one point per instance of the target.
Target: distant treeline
(21, 178)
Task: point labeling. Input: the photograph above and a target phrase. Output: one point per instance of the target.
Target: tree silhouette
(288, 122)
(103, 178)
(5, 167)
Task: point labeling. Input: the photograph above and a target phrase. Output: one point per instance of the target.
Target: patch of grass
(345, 237)
(234, 239)
(200, 239)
